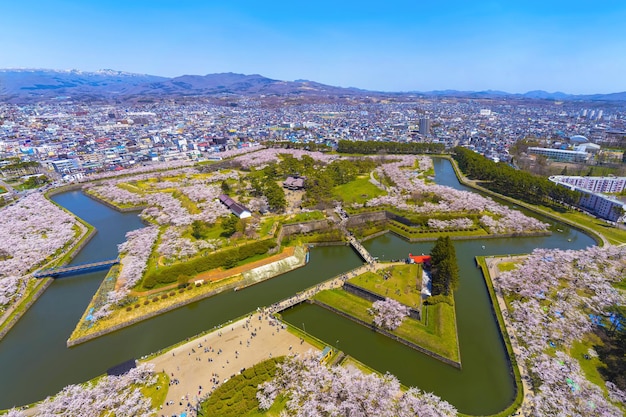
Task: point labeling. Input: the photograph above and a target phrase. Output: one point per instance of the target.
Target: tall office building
(424, 126)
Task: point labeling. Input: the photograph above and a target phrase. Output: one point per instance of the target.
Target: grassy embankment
(419, 229)
(436, 331)
(612, 234)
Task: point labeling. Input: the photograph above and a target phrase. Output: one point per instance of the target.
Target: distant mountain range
(27, 85)
(535, 94)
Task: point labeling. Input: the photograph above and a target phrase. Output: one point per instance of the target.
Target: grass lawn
(507, 266)
(404, 283)
(358, 191)
(305, 217)
(130, 187)
(436, 332)
(186, 203)
(346, 302)
(157, 395)
(267, 226)
(350, 361)
(592, 365)
(209, 233)
(612, 234)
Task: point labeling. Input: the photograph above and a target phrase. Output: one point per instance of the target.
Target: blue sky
(389, 45)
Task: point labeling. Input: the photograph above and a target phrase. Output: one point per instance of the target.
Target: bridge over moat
(75, 269)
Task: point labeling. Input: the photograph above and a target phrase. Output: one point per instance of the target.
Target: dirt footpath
(200, 365)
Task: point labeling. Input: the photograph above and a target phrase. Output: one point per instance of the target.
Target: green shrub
(249, 373)
(436, 299)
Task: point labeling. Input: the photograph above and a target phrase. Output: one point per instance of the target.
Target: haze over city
(570, 46)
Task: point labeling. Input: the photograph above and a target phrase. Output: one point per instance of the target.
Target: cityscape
(344, 210)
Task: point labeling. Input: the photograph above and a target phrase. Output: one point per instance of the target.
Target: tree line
(506, 180)
(307, 146)
(372, 147)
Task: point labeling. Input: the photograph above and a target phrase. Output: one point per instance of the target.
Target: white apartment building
(595, 184)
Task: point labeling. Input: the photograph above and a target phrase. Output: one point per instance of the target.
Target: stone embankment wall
(359, 219)
(305, 227)
(276, 268)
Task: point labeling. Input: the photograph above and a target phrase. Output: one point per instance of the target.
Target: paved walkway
(494, 272)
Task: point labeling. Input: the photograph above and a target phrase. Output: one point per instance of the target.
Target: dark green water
(34, 361)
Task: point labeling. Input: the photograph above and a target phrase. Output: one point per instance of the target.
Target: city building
(593, 184)
(562, 155)
(424, 126)
(603, 206)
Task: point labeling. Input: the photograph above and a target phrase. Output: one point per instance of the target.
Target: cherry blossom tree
(553, 292)
(460, 223)
(118, 396)
(10, 288)
(388, 313)
(313, 389)
(495, 217)
(32, 230)
(267, 156)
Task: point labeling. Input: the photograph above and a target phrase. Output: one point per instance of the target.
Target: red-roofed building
(420, 259)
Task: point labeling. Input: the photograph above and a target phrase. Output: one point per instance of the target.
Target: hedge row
(227, 258)
(237, 397)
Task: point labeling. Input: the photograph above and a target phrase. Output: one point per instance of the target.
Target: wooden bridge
(75, 269)
(361, 250)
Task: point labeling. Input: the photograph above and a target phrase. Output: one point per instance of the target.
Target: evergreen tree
(445, 271)
(229, 225)
(275, 196)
